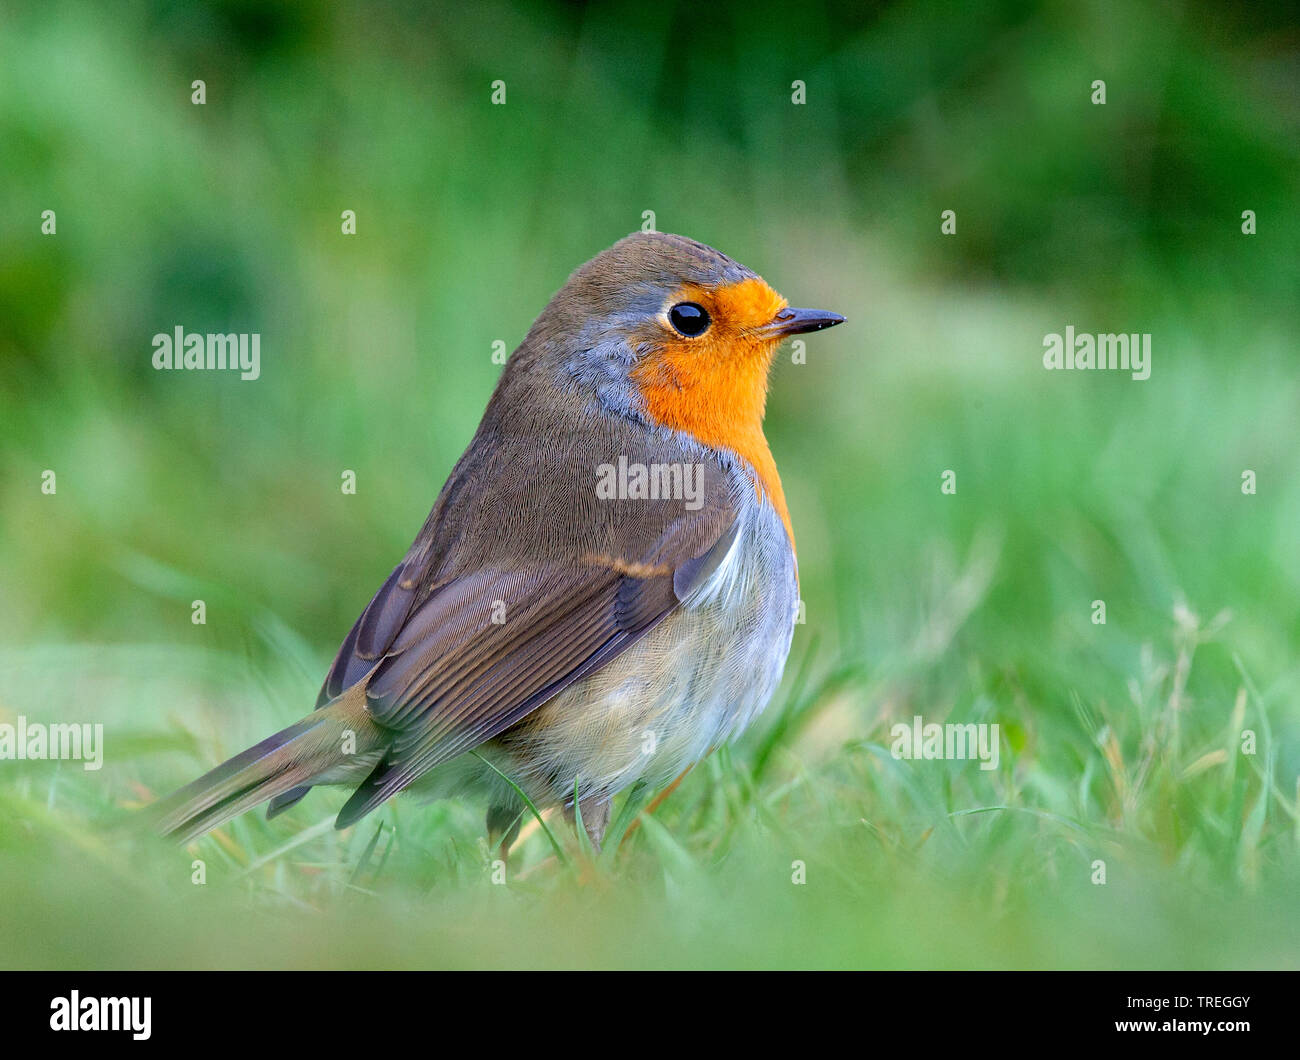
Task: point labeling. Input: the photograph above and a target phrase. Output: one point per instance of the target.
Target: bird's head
(674, 332)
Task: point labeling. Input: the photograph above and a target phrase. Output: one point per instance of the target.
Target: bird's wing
(450, 660)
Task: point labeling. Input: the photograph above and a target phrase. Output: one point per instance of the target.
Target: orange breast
(715, 387)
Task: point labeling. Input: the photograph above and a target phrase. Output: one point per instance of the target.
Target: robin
(606, 587)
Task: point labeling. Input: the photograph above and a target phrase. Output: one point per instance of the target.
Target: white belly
(697, 679)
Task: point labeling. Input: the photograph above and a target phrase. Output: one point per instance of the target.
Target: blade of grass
(555, 844)
(318, 829)
(626, 814)
(355, 878)
(678, 863)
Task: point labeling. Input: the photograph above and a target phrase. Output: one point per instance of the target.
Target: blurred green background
(1121, 742)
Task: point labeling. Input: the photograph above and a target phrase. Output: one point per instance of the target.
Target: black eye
(688, 318)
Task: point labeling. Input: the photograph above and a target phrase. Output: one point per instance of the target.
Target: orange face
(713, 386)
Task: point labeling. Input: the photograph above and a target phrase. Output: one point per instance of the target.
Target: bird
(605, 589)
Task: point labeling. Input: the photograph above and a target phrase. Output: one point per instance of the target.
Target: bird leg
(503, 829)
(595, 817)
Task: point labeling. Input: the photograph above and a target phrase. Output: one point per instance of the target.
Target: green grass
(1122, 743)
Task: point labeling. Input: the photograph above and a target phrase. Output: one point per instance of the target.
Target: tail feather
(291, 759)
(289, 798)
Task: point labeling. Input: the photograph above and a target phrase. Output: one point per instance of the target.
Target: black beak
(797, 321)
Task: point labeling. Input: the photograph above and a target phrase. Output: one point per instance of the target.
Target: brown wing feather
(442, 703)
